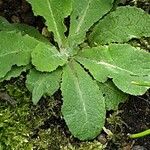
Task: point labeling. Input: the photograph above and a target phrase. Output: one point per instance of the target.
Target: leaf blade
(54, 12)
(14, 52)
(107, 62)
(46, 58)
(85, 13)
(121, 25)
(113, 96)
(22, 28)
(83, 107)
(43, 83)
(14, 72)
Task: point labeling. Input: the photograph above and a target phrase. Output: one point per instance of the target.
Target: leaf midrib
(55, 24)
(13, 52)
(77, 85)
(82, 18)
(108, 65)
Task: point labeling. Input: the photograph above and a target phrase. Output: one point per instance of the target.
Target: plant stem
(141, 134)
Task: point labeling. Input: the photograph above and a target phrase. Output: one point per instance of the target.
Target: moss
(95, 145)
(22, 127)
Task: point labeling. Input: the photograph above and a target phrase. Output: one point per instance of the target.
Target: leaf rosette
(92, 79)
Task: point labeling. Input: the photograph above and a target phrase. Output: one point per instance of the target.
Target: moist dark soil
(133, 116)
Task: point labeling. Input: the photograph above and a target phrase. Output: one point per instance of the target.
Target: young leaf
(122, 62)
(54, 12)
(85, 14)
(14, 52)
(43, 83)
(121, 25)
(47, 58)
(83, 103)
(113, 96)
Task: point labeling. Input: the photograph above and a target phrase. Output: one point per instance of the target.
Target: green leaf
(141, 84)
(122, 62)
(85, 13)
(83, 103)
(113, 96)
(43, 83)
(14, 72)
(14, 52)
(23, 28)
(54, 12)
(47, 58)
(121, 25)
(31, 31)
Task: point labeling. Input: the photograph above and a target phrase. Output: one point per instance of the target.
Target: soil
(132, 116)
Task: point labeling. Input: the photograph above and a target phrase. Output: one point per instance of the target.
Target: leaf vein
(82, 18)
(55, 24)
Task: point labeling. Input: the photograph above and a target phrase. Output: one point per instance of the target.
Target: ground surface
(23, 126)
